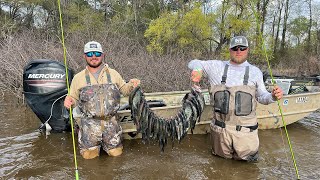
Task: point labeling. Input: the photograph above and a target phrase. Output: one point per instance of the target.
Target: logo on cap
(238, 41)
(93, 46)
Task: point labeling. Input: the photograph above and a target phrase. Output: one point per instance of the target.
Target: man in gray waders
(96, 91)
(236, 86)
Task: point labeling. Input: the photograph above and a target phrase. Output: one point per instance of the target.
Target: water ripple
(15, 152)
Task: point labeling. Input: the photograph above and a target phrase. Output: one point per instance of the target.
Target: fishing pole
(273, 83)
(68, 86)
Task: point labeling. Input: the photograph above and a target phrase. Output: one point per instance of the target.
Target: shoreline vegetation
(154, 40)
(167, 72)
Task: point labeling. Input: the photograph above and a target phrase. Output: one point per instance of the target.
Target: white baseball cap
(239, 41)
(92, 46)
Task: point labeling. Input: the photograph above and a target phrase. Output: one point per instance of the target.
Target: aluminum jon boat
(294, 107)
(44, 86)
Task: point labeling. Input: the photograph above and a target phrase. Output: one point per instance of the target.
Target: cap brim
(238, 45)
(93, 50)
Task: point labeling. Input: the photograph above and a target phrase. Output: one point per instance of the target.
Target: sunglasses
(90, 54)
(242, 48)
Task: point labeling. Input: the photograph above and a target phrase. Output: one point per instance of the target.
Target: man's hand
(68, 102)
(196, 75)
(277, 93)
(196, 88)
(135, 82)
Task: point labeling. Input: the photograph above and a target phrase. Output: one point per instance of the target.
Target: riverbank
(158, 73)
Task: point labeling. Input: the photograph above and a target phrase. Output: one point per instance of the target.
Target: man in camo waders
(236, 87)
(96, 91)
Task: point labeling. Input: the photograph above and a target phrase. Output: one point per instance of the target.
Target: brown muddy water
(25, 153)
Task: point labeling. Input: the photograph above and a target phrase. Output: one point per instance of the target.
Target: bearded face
(94, 61)
(239, 54)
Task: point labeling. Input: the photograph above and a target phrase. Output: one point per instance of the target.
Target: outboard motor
(44, 86)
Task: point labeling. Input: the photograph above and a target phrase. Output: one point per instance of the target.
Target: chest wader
(234, 126)
(98, 126)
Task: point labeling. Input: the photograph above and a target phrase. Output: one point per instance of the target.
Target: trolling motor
(44, 86)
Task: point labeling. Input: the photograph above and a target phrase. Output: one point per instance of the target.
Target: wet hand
(277, 92)
(135, 82)
(196, 75)
(68, 102)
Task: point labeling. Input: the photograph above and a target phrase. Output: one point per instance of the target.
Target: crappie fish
(157, 128)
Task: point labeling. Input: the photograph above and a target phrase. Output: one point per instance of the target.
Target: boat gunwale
(207, 91)
(177, 106)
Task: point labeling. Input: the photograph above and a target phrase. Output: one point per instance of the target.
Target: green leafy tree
(190, 31)
(162, 32)
(195, 31)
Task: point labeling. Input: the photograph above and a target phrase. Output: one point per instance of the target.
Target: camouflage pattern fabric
(94, 133)
(99, 100)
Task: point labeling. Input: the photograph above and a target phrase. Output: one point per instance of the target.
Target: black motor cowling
(44, 86)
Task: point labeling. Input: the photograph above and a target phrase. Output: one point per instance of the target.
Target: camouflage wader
(93, 133)
(98, 126)
(234, 132)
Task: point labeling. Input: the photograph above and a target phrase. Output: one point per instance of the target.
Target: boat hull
(293, 108)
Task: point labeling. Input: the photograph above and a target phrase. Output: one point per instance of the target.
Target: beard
(94, 65)
(239, 60)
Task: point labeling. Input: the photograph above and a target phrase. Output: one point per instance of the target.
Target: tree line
(163, 33)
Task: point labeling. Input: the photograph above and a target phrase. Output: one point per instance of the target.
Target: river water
(25, 153)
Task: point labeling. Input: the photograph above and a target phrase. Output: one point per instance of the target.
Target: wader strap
(108, 76)
(224, 77)
(87, 77)
(238, 127)
(246, 76)
(103, 118)
(102, 125)
(220, 123)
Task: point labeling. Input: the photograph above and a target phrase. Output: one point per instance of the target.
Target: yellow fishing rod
(273, 83)
(68, 86)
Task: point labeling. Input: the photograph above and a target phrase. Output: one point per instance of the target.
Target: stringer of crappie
(157, 128)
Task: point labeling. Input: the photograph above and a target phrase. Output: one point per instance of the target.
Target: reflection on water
(27, 154)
